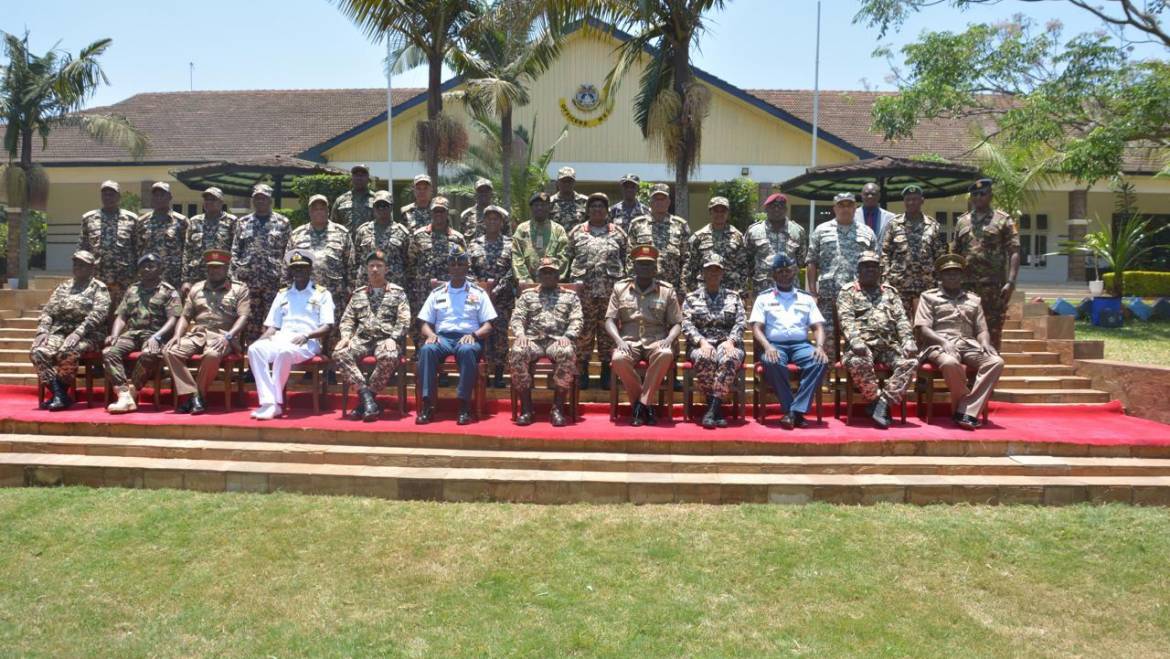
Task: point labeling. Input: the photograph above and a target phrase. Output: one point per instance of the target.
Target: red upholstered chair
(231, 365)
(86, 363)
(313, 367)
(665, 392)
(883, 371)
(544, 367)
(367, 364)
(924, 389)
(738, 392)
(131, 361)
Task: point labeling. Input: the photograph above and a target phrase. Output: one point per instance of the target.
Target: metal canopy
(936, 179)
(236, 177)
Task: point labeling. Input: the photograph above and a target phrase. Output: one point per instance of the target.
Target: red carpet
(1103, 424)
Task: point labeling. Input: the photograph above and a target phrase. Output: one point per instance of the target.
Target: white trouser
(271, 360)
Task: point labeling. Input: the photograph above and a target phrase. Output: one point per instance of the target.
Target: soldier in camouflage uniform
(471, 220)
(776, 234)
(332, 250)
(910, 244)
(426, 259)
(876, 331)
(212, 229)
(535, 239)
(491, 266)
(144, 319)
(354, 207)
(72, 322)
(382, 234)
(374, 323)
(257, 256)
(568, 206)
(595, 260)
(630, 207)
(990, 242)
(713, 322)
(108, 233)
(417, 214)
(721, 238)
(546, 323)
(833, 250)
(163, 232)
(669, 234)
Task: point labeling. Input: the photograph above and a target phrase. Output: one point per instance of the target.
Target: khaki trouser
(989, 367)
(197, 340)
(658, 364)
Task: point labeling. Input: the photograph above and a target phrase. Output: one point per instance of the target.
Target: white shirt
(459, 310)
(786, 316)
(301, 311)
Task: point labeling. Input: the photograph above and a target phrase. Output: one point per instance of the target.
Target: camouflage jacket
(258, 251)
(873, 317)
(145, 311)
(715, 318)
(392, 238)
(332, 256)
(82, 312)
(728, 244)
(205, 233)
(541, 314)
(987, 242)
(166, 236)
(351, 211)
(113, 240)
(595, 258)
(529, 244)
(761, 243)
(376, 314)
(909, 248)
(670, 235)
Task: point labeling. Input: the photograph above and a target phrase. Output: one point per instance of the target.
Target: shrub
(744, 196)
(37, 222)
(1142, 283)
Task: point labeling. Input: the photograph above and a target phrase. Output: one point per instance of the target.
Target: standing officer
(832, 260)
(990, 242)
(354, 207)
(713, 322)
(374, 323)
(257, 257)
(643, 320)
(211, 229)
(163, 232)
(629, 207)
(456, 318)
(910, 244)
(72, 322)
(955, 333)
(430, 249)
(720, 238)
(595, 260)
(214, 316)
(417, 214)
(491, 265)
(775, 234)
(108, 234)
(545, 323)
(870, 213)
(669, 235)
(536, 239)
(144, 319)
(781, 318)
(381, 234)
(568, 205)
(471, 220)
(876, 330)
(330, 246)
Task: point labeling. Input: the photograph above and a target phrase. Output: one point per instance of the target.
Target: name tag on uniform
(440, 303)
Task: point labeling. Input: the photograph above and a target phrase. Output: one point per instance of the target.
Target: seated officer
(713, 322)
(145, 317)
(301, 318)
(546, 322)
(72, 322)
(780, 321)
(643, 319)
(955, 332)
(215, 312)
(374, 322)
(876, 330)
(456, 318)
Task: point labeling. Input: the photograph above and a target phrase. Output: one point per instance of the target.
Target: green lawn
(1137, 342)
(135, 573)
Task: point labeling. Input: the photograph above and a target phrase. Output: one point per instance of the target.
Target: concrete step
(1031, 358)
(21, 323)
(18, 379)
(6, 314)
(570, 486)
(14, 355)
(1017, 334)
(1037, 369)
(1044, 382)
(1023, 345)
(1061, 396)
(1013, 324)
(20, 343)
(18, 332)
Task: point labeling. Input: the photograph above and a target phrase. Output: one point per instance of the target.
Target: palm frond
(109, 128)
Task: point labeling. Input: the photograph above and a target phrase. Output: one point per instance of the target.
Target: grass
(167, 573)
(1136, 342)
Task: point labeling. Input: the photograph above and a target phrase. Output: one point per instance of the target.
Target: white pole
(389, 119)
(812, 206)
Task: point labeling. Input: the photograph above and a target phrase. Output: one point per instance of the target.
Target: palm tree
(421, 32)
(39, 93)
(498, 58)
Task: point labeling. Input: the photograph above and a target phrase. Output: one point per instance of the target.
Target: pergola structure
(937, 179)
(236, 177)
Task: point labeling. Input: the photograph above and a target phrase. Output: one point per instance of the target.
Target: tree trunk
(682, 164)
(434, 109)
(506, 157)
(18, 226)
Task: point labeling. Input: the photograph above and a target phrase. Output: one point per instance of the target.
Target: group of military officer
(641, 279)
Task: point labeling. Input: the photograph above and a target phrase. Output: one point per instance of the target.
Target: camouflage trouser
(385, 354)
(593, 330)
(114, 359)
(716, 376)
(994, 310)
(116, 290)
(563, 357)
(53, 361)
(496, 344)
(862, 371)
(827, 303)
(417, 296)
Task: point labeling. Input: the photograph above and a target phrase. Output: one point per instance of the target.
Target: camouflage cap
(360, 167)
(422, 178)
(383, 197)
(548, 263)
(868, 256)
(981, 185)
(713, 260)
(950, 262)
(660, 189)
(85, 256)
(604, 198)
(718, 201)
(458, 255)
(217, 257)
(538, 196)
(110, 185)
(498, 210)
(644, 253)
(262, 190)
(440, 202)
(630, 178)
(566, 172)
(484, 183)
(844, 196)
(149, 257)
(213, 192)
(299, 257)
(318, 197)
(161, 185)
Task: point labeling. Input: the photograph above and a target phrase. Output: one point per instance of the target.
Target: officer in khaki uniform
(381, 234)
(990, 242)
(214, 315)
(211, 229)
(354, 207)
(910, 244)
(545, 323)
(108, 233)
(955, 333)
(162, 231)
(145, 317)
(73, 321)
(643, 319)
(374, 323)
(568, 205)
(876, 331)
(713, 322)
(669, 234)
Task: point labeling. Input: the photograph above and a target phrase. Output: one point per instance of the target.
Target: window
(1025, 222)
(1041, 222)
(192, 210)
(1041, 248)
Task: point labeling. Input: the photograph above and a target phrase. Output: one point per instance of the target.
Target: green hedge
(1143, 283)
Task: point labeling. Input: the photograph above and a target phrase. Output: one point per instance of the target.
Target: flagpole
(812, 207)
(389, 119)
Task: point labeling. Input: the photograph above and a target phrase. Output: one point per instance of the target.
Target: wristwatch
(228, 336)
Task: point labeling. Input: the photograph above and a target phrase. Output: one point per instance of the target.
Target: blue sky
(270, 44)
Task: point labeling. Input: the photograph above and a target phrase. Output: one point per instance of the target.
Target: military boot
(711, 418)
(60, 399)
(557, 416)
(604, 375)
(126, 401)
(371, 410)
(525, 417)
(583, 377)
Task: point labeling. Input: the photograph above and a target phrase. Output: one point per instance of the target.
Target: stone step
(21, 343)
(1061, 396)
(1013, 324)
(1031, 358)
(9, 378)
(1016, 334)
(1023, 345)
(18, 332)
(6, 314)
(388, 456)
(1037, 369)
(21, 323)
(1044, 382)
(556, 486)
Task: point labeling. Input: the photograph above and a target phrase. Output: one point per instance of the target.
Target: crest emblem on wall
(587, 97)
(586, 100)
